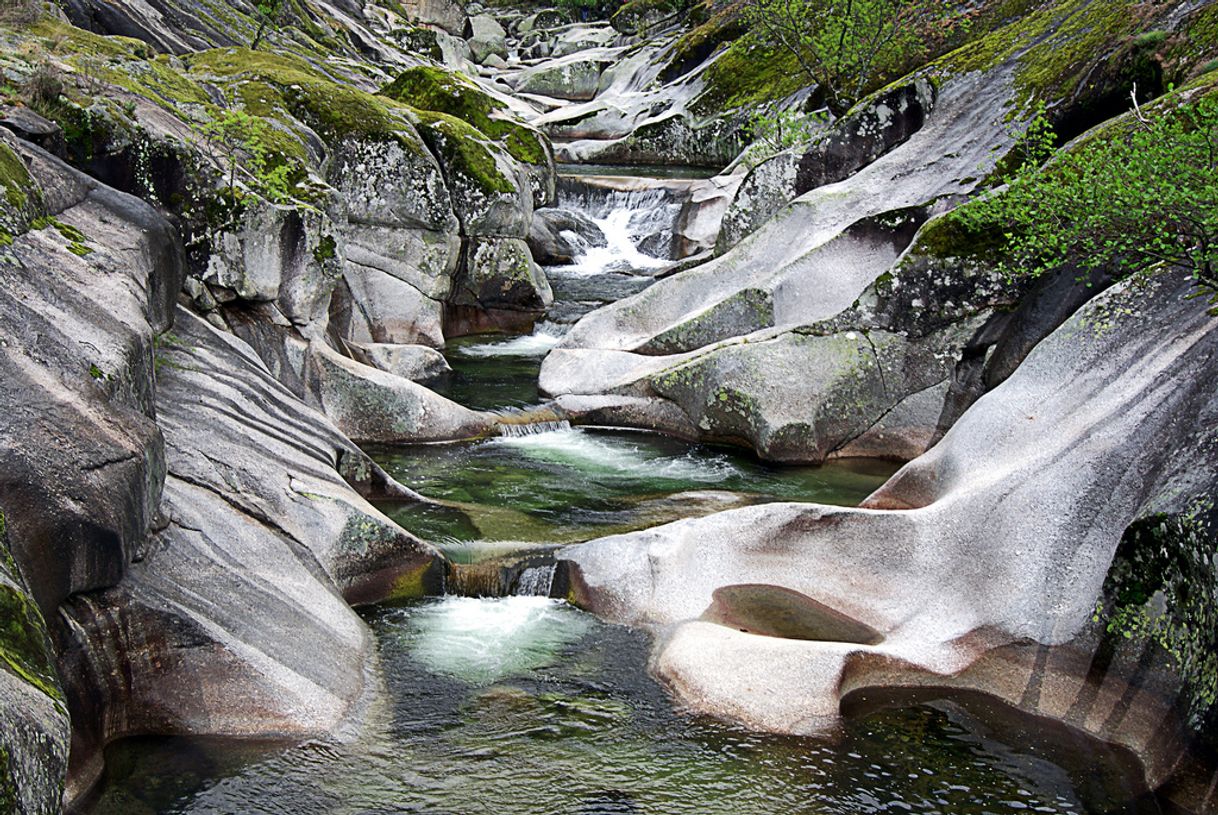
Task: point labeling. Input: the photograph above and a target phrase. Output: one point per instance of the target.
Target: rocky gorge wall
(187, 360)
(204, 317)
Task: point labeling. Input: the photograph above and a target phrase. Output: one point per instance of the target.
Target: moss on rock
(24, 649)
(464, 152)
(433, 89)
(334, 109)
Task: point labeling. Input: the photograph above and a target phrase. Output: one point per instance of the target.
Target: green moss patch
(464, 152)
(432, 89)
(749, 74)
(14, 178)
(334, 109)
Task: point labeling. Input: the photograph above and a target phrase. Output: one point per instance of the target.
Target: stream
(523, 704)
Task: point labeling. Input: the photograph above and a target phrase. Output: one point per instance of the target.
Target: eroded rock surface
(1033, 487)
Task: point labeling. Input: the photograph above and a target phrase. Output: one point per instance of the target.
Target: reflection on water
(576, 484)
(550, 711)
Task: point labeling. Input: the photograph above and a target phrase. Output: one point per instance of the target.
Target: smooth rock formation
(980, 563)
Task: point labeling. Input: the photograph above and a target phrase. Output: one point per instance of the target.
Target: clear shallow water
(551, 711)
(580, 483)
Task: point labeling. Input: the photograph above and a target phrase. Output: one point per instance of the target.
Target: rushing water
(525, 705)
(574, 484)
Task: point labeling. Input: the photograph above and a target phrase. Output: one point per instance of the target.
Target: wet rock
(558, 236)
(773, 611)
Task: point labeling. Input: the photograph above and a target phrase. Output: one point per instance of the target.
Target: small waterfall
(536, 581)
(518, 431)
(524, 574)
(638, 223)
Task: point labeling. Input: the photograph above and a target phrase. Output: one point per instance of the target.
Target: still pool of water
(525, 705)
(579, 483)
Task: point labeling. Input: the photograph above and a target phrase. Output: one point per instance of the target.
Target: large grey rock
(490, 191)
(279, 253)
(372, 405)
(979, 563)
(414, 362)
(868, 132)
(82, 459)
(745, 392)
(81, 310)
(233, 618)
(485, 37)
(817, 255)
(572, 77)
(499, 273)
(447, 14)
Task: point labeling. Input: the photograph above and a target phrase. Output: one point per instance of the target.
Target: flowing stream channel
(523, 704)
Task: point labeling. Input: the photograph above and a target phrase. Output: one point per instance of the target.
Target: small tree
(845, 45)
(270, 14)
(1144, 196)
(780, 129)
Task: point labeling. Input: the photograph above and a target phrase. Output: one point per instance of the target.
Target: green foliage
(241, 141)
(1175, 558)
(780, 129)
(1143, 196)
(844, 46)
(326, 249)
(270, 14)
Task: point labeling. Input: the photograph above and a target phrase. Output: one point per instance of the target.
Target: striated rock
(873, 129)
(82, 298)
(252, 479)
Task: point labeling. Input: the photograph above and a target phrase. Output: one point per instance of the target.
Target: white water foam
(544, 337)
(484, 640)
(583, 451)
(626, 218)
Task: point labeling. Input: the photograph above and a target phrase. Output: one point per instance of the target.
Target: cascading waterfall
(637, 225)
(516, 431)
(536, 581)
